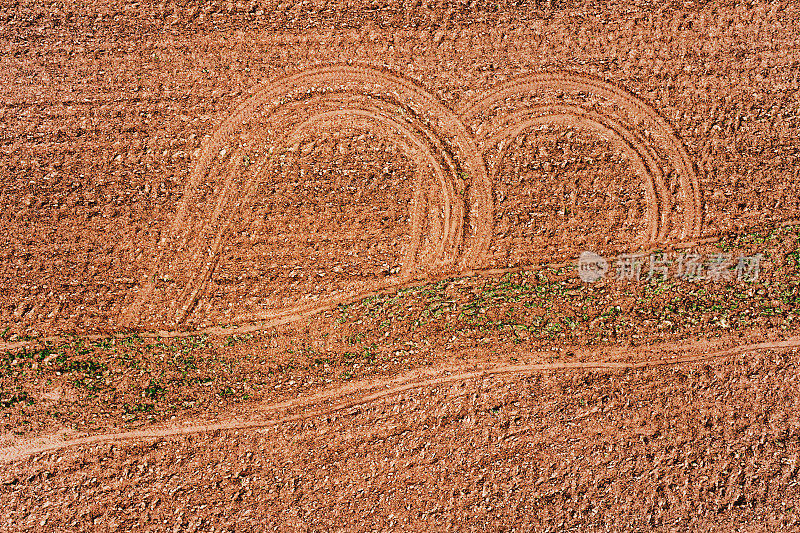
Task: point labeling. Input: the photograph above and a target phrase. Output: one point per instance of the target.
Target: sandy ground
(709, 444)
(312, 266)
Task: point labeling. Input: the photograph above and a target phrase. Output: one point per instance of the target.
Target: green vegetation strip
(134, 378)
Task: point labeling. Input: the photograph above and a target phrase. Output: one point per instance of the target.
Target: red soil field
(312, 266)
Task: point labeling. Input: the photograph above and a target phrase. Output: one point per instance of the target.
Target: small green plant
(154, 390)
(354, 339)
(88, 367)
(131, 340)
(344, 316)
(137, 408)
(18, 397)
(233, 340)
(103, 344)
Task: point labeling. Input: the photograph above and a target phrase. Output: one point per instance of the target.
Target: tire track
(416, 105)
(658, 196)
(255, 323)
(424, 150)
(640, 111)
(370, 391)
(424, 158)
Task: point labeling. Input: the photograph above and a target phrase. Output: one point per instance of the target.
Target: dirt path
(364, 392)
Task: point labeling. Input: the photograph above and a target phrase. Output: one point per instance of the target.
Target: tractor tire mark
(425, 110)
(657, 194)
(254, 323)
(689, 195)
(367, 392)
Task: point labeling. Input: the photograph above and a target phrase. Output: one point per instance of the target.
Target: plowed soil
(311, 267)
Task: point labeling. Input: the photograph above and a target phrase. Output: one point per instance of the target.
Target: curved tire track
(421, 107)
(640, 111)
(434, 131)
(658, 196)
(366, 392)
(447, 240)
